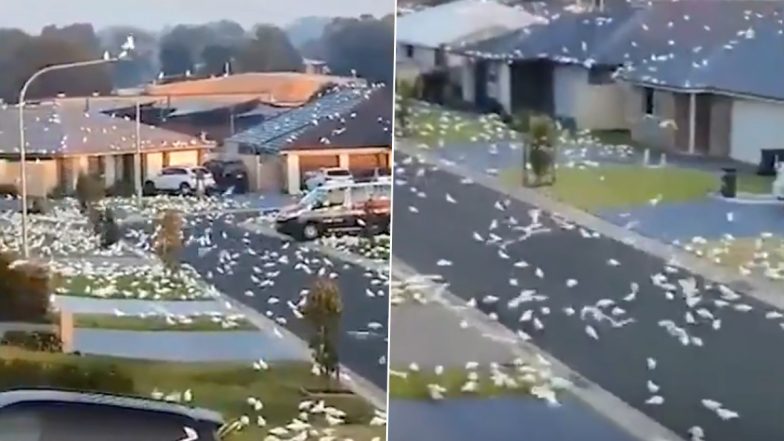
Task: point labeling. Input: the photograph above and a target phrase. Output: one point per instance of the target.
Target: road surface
(739, 364)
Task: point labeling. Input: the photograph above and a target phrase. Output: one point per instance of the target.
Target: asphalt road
(739, 365)
(228, 263)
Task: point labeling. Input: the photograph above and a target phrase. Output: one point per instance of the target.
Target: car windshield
(338, 173)
(313, 198)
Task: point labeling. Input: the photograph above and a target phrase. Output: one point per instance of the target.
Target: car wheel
(149, 188)
(185, 188)
(311, 231)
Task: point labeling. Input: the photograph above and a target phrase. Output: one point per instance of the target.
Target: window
(336, 197)
(174, 171)
(409, 51)
(96, 165)
(338, 173)
(648, 101)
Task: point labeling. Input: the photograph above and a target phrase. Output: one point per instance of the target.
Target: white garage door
(755, 126)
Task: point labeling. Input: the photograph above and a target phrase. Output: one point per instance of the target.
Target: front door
(480, 83)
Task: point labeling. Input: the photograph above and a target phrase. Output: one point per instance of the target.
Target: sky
(32, 15)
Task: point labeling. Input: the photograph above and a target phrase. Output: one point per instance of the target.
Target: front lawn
(223, 387)
(161, 323)
(149, 282)
(437, 126)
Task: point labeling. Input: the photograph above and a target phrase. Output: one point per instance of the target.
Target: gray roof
(30, 395)
(275, 133)
(52, 129)
(265, 110)
(458, 20)
(689, 44)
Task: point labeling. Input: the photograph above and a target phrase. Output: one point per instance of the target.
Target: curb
(612, 408)
(760, 289)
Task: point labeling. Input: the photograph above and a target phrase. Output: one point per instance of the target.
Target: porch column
(504, 86)
(344, 161)
(467, 77)
(292, 173)
(692, 121)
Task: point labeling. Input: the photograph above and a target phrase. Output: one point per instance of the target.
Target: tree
(175, 58)
(89, 190)
(214, 58)
(322, 310)
(363, 45)
(110, 231)
(168, 240)
(269, 51)
(541, 154)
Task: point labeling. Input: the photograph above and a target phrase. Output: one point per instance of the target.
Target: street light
(107, 59)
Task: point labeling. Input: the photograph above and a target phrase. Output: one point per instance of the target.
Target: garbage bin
(729, 182)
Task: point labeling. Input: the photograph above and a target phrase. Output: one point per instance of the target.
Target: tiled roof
(728, 46)
(455, 21)
(54, 129)
(277, 132)
(367, 124)
(272, 87)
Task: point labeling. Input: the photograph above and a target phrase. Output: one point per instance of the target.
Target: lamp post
(23, 148)
(138, 156)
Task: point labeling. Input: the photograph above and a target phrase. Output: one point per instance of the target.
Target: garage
(756, 125)
(183, 158)
(314, 162)
(368, 161)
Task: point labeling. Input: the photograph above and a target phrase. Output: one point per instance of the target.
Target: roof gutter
(706, 90)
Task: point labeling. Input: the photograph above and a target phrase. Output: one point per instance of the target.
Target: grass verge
(223, 387)
(160, 323)
(435, 125)
(415, 385)
(748, 256)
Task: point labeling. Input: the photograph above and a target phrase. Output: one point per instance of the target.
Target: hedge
(34, 341)
(92, 377)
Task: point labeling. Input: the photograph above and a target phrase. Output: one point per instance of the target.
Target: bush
(121, 188)
(89, 190)
(33, 341)
(9, 190)
(24, 291)
(110, 231)
(89, 377)
(39, 206)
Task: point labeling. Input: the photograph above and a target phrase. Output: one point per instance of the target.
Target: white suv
(182, 179)
(328, 176)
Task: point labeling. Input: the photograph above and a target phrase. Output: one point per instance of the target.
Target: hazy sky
(32, 15)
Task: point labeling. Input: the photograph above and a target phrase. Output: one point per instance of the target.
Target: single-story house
(423, 35)
(347, 127)
(64, 141)
(672, 73)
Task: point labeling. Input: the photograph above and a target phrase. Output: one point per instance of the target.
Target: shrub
(9, 190)
(40, 206)
(24, 291)
(121, 188)
(168, 239)
(322, 310)
(90, 377)
(89, 190)
(110, 233)
(33, 341)
(541, 157)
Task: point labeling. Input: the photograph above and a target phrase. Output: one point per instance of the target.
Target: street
(481, 243)
(284, 269)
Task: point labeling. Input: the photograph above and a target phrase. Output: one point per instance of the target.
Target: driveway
(709, 218)
(738, 363)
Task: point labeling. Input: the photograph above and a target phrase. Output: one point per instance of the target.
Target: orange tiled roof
(281, 87)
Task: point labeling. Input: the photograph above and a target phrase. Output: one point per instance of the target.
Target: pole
(22, 140)
(138, 156)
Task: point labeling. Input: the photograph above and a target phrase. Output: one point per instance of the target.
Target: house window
(648, 101)
(598, 76)
(96, 165)
(409, 51)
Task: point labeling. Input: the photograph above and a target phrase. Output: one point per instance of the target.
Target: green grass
(132, 283)
(437, 126)
(224, 387)
(415, 385)
(619, 186)
(159, 323)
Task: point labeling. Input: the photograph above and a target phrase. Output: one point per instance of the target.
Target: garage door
(755, 126)
(367, 161)
(189, 157)
(314, 162)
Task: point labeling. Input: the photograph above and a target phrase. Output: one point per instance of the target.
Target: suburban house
(64, 141)
(424, 36)
(676, 75)
(346, 126)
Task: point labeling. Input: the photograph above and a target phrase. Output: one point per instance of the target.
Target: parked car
(378, 174)
(179, 179)
(327, 176)
(229, 173)
(338, 208)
